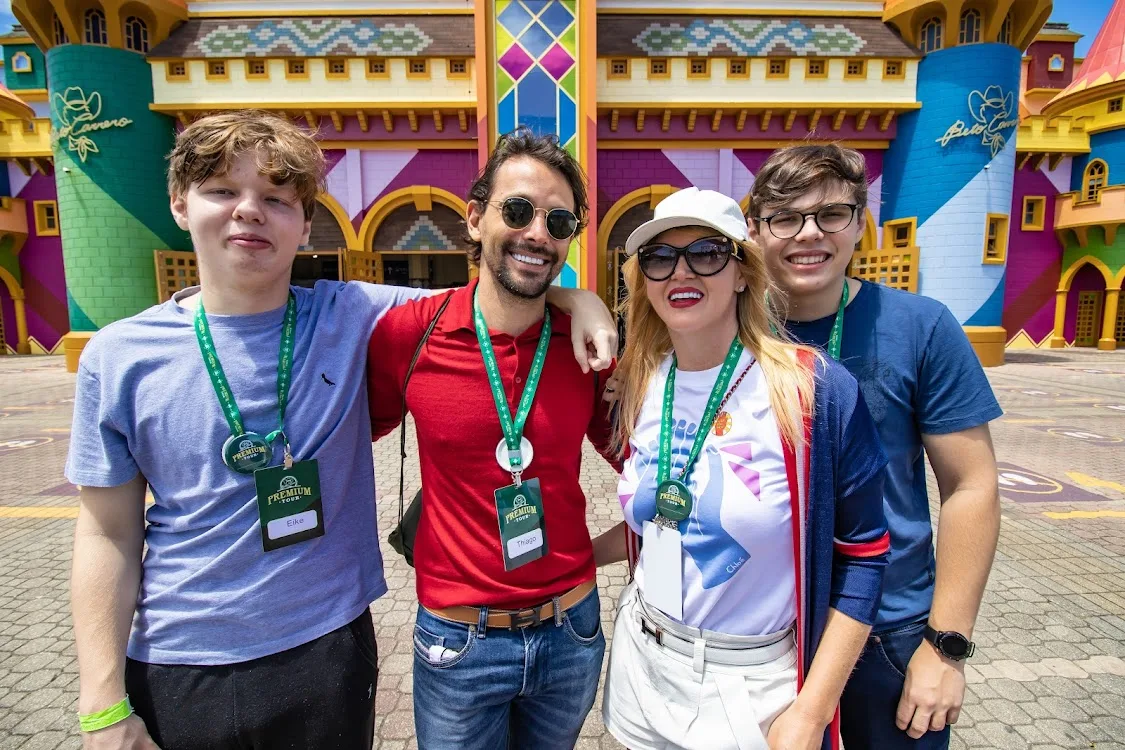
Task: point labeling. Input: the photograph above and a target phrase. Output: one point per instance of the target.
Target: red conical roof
(1105, 62)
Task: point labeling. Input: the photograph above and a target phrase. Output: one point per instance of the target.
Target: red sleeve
(389, 352)
(600, 429)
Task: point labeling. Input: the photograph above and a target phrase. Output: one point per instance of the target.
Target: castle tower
(948, 175)
(1087, 302)
(109, 150)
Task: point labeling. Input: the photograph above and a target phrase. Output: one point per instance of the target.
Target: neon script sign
(993, 112)
(78, 115)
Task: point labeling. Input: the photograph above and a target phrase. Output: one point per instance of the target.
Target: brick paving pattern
(1049, 671)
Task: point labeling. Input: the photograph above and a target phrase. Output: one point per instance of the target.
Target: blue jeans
(870, 701)
(490, 689)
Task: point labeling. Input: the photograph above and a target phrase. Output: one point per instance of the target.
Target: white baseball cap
(692, 207)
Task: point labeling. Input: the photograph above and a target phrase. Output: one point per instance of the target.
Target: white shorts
(657, 698)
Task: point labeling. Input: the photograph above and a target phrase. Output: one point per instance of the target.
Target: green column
(109, 150)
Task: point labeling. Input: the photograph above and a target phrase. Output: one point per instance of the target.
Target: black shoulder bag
(402, 538)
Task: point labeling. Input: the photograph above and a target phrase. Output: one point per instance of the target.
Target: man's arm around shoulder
(105, 579)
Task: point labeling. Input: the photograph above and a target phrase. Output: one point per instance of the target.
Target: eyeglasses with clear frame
(830, 219)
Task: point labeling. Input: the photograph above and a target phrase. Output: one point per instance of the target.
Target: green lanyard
(836, 339)
(673, 499)
(247, 451)
(513, 431)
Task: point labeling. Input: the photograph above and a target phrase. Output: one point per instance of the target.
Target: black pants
(318, 696)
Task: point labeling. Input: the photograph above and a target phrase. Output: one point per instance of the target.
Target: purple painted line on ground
(1023, 486)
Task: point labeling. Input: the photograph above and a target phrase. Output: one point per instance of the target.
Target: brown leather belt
(515, 619)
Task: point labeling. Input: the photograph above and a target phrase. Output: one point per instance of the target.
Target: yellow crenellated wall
(759, 88)
(397, 87)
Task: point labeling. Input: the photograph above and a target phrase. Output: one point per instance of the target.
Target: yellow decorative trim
(351, 238)
(860, 75)
(250, 74)
(415, 75)
(296, 69)
(809, 63)
(171, 66)
(889, 227)
(781, 65)
(290, 106)
(687, 10)
(343, 75)
(452, 62)
(732, 65)
(703, 62)
(403, 144)
(1041, 91)
(1038, 204)
(217, 70)
(346, 12)
(654, 63)
(1001, 240)
(24, 58)
(41, 228)
(888, 70)
(373, 62)
(755, 105)
(1061, 63)
(657, 143)
(1069, 274)
(618, 75)
(423, 196)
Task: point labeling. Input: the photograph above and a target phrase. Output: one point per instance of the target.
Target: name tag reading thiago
(520, 512)
(519, 506)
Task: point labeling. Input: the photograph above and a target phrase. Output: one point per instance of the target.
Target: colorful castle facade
(992, 151)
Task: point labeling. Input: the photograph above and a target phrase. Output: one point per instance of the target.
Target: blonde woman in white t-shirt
(754, 475)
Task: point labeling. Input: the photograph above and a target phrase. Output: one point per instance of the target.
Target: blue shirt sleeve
(860, 531)
(953, 391)
(99, 454)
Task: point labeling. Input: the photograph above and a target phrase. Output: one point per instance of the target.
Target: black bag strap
(402, 423)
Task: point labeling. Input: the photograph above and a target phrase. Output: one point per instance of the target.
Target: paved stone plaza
(1049, 671)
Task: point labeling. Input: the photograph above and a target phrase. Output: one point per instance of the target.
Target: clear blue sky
(1085, 17)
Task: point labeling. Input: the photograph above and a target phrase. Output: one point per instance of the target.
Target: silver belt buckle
(655, 632)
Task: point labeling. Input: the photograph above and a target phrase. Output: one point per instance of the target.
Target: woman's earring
(741, 289)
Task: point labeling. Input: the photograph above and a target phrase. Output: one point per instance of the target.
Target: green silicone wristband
(107, 718)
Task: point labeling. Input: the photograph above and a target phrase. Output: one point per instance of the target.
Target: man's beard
(511, 281)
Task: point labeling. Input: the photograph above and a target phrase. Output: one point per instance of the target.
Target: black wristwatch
(949, 643)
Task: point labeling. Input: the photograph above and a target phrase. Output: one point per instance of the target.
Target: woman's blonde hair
(647, 343)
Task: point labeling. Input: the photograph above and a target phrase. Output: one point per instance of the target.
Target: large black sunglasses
(835, 217)
(520, 212)
(705, 257)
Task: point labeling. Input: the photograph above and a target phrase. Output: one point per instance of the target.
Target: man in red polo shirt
(508, 644)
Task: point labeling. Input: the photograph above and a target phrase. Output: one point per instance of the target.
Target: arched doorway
(322, 257)
(422, 248)
(414, 236)
(628, 213)
(1086, 306)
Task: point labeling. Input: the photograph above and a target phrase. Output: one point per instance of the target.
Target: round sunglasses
(705, 257)
(835, 217)
(520, 212)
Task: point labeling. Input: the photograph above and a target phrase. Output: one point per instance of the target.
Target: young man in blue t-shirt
(241, 404)
(929, 397)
